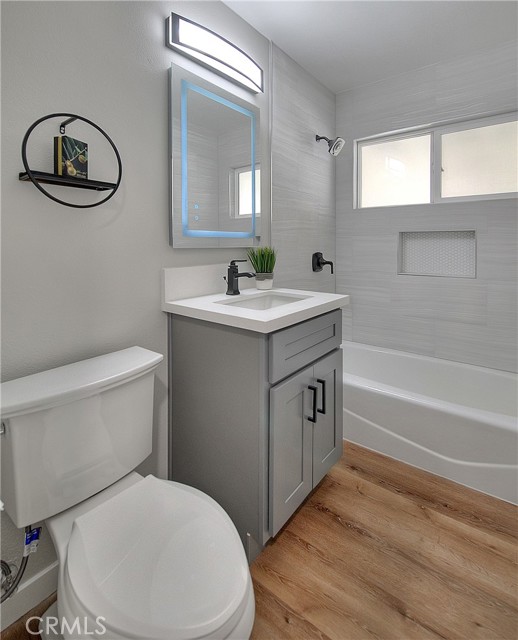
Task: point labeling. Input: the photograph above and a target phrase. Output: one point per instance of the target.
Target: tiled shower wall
(464, 319)
(303, 176)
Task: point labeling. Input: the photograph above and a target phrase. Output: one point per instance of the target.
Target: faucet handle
(234, 261)
(318, 261)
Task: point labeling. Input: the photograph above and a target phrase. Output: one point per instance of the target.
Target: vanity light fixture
(213, 51)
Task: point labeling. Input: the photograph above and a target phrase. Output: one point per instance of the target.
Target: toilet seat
(159, 560)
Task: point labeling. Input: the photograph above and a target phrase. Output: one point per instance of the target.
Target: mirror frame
(187, 81)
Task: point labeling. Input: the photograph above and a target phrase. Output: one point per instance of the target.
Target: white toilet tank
(72, 431)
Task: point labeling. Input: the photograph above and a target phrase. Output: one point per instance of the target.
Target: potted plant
(262, 260)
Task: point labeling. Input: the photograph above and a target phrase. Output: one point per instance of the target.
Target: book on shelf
(70, 157)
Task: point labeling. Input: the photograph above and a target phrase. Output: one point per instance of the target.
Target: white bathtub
(455, 420)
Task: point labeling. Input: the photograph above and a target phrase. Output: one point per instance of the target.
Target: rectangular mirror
(215, 174)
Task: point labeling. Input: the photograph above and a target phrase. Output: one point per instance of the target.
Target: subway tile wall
(463, 319)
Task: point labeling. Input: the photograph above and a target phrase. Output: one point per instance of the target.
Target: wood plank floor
(383, 550)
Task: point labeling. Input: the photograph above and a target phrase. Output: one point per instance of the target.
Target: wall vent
(437, 253)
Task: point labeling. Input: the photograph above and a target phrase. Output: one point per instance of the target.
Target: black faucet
(318, 262)
(232, 277)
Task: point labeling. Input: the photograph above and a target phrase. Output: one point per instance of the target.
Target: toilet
(139, 557)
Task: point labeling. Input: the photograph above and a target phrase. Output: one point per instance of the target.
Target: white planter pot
(264, 280)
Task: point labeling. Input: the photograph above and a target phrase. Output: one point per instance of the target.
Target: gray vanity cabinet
(305, 434)
(241, 410)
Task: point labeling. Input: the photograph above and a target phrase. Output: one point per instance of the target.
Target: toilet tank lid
(74, 381)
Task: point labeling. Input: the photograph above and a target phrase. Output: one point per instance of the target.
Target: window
(466, 161)
(480, 160)
(396, 172)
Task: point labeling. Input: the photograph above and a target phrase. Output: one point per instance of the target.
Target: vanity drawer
(293, 348)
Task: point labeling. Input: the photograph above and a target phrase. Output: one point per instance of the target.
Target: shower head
(335, 146)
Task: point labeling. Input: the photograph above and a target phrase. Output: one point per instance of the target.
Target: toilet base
(242, 630)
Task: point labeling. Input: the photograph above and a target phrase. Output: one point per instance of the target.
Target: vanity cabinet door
(328, 429)
(291, 446)
(306, 430)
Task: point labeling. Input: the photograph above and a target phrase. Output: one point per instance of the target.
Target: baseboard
(30, 593)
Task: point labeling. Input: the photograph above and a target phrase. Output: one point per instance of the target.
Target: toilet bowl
(139, 558)
(158, 560)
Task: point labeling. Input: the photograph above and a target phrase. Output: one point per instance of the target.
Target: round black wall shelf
(38, 177)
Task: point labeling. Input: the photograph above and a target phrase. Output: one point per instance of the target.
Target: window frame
(435, 131)
(234, 174)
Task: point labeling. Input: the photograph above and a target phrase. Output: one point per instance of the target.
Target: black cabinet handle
(323, 383)
(313, 418)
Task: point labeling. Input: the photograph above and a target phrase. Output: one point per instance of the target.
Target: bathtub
(452, 419)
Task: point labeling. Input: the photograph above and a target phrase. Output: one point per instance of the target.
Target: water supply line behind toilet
(10, 583)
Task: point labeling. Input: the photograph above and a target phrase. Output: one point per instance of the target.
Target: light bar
(213, 51)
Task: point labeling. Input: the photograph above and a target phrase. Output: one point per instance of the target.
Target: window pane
(480, 161)
(395, 172)
(245, 193)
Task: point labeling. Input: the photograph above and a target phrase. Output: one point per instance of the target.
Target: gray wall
(79, 283)
(303, 176)
(468, 320)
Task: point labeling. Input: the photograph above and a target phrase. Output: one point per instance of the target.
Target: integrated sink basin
(263, 301)
(252, 309)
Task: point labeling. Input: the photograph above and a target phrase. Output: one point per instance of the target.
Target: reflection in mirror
(215, 165)
(242, 190)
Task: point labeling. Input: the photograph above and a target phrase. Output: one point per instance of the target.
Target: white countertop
(211, 309)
